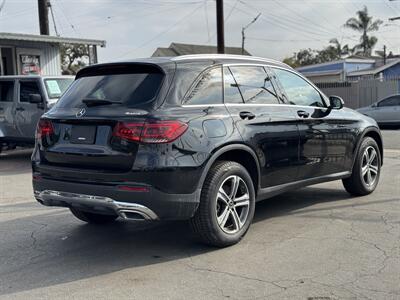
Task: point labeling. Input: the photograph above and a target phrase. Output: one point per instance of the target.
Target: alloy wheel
(370, 166)
(233, 204)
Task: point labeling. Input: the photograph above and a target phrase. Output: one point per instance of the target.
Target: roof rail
(225, 56)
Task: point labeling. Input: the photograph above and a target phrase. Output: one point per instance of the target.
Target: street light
(245, 27)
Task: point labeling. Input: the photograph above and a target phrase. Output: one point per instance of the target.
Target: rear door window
(6, 91)
(231, 89)
(27, 88)
(130, 87)
(207, 89)
(255, 85)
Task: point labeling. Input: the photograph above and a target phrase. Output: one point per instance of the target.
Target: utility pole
(220, 27)
(384, 55)
(43, 8)
(245, 27)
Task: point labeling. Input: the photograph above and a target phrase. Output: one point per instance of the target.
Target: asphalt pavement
(314, 243)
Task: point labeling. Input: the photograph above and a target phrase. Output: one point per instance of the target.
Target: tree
(309, 56)
(340, 50)
(364, 24)
(73, 58)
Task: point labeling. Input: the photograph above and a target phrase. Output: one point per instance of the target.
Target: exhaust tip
(134, 216)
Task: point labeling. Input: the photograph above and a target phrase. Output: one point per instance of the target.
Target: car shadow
(15, 162)
(53, 248)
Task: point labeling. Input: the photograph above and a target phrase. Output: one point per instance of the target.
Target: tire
(92, 217)
(360, 183)
(222, 220)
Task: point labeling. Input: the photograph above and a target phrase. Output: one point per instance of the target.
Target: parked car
(23, 99)
(199, 137)
(385, 111)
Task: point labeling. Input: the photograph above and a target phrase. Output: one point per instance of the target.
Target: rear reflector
(128, 188)
(154, 132)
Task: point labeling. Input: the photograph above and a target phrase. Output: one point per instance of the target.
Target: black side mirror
(374, 105)
(335, 102)
(35, 98)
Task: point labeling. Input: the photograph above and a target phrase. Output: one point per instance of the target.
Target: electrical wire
(225, 20)
(163, 32)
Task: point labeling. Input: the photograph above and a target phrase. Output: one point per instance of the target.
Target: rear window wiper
(95, 102)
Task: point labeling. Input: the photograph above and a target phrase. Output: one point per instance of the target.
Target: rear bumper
(150, 204)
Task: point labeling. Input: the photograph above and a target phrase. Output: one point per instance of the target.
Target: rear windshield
(131, 89)
(55, 87)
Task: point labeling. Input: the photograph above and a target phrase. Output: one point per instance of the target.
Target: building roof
(345, 60)
(49, 39)
(177, 49)
(374, 71)
(322, 73)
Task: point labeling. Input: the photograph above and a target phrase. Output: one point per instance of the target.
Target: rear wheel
(226, 206)
(92, 217)
(366, 170)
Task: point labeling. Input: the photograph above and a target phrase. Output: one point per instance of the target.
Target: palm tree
(364, 24)
(339, 48)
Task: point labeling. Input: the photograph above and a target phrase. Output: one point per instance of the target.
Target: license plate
(83, 134)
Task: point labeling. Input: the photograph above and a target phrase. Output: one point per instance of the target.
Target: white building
(37, 54)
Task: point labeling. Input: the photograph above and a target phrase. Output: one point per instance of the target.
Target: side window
(298, 91)
(392, 101)
(26, 88)
(232, 93)
(208, 89)
(6, 91)
(255, 85)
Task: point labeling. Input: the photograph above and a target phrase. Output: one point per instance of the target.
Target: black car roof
(168, 63)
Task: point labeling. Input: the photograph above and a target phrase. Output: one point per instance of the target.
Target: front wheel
(226, 206)
(366, 170)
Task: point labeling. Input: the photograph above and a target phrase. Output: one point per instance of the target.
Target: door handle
(303, 114)
(20, 109)
(246, 115)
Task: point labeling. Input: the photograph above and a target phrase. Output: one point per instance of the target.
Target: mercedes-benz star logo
(81, 113)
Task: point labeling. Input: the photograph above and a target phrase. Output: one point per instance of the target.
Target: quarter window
(208, 90)
(255, 85)
(27, 88)
(6, 91)
(298, 91)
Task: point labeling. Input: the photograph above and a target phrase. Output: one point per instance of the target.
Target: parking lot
(315, 243)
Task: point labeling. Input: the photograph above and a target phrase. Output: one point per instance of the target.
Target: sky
(135, 28)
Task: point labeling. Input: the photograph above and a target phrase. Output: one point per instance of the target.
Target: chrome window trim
(250, 104)
(227, 56)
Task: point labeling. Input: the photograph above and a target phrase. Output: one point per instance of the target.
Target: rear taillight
(154, 132)
(44, 129)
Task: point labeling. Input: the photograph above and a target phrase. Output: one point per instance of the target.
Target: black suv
(199, 137)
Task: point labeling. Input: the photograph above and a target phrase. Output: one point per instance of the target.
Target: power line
(206, 17)
(275, 21)
(299, 16)
(65, 16)
(225, 20)
(2, 5)
(163, 32)
(52, 16)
